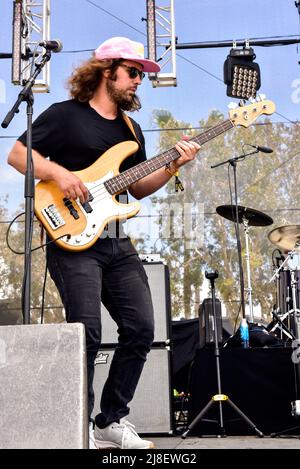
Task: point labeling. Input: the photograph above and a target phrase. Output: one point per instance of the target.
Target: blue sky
(79, 24)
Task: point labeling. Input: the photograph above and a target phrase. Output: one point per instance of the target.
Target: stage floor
(230, 442)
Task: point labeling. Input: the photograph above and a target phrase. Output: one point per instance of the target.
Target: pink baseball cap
(123, 48)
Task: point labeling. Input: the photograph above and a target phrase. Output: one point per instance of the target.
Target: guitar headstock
(246, 115)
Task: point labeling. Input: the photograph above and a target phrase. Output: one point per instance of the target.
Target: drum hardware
(287, 237)
(276, 274)
(294, 335)
(248, 217)
(280, 325)
(276, 322)
(283, 313)
(295, 310)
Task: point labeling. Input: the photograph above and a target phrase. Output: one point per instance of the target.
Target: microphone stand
(233, 163)
(26, 94)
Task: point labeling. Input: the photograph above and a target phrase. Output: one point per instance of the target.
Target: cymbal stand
(276, 274)
(280, 316)
(295, 310)
(247, 257)
(280, 325)
(295, 314)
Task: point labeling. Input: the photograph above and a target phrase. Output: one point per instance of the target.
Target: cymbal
(285, 237)
(254, 217)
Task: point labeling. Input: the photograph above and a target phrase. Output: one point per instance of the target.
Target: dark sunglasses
(133, 72)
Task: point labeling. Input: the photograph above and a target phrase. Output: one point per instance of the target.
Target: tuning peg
(242, 102)
(261, 97)
(232, 105)
(252, 100)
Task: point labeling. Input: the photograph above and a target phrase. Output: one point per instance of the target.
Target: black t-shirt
(74, 135)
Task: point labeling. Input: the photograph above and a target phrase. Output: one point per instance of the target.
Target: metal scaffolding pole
(161, 33)
(239, 42)
(31, 25)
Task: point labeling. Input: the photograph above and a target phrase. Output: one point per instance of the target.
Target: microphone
(54, 46)
(279, 255)
(262, 149)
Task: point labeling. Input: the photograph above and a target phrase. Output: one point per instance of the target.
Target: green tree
(12, 270)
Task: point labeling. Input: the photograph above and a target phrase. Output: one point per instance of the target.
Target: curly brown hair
(85, 79)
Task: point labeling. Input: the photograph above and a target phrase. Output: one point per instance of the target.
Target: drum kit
(287, 267)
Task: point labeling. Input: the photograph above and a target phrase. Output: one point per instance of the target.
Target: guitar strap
(130, 125)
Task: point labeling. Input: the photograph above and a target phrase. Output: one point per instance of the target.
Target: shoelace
(129, 425)
(126, 425)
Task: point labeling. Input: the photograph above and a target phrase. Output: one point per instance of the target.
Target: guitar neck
(121, 182)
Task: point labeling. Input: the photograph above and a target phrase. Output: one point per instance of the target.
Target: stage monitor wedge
(43, 396)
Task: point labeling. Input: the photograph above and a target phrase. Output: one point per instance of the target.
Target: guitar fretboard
(124, 180)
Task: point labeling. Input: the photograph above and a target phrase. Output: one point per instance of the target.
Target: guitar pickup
(74, 213)
(71, 208)
(86, 206)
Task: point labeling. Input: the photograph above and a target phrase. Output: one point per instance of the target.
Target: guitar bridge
(53, 217)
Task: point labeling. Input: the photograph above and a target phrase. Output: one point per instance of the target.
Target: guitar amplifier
(151, 406)
(159, 282)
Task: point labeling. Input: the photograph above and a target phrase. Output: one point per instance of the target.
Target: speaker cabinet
(43, 397)
(151, 408)
(159, 282)
(207, 325)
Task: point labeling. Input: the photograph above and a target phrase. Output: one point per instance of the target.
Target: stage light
(241, 74)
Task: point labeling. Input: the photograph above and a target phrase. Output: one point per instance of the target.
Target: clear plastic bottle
(244, 333)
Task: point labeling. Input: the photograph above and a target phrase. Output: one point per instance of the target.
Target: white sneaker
(92, 444)
(120, 435)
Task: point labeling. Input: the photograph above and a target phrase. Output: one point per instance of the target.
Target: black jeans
(111, 272)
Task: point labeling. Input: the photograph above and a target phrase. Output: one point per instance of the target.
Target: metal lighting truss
(31, 25)
(161, 33)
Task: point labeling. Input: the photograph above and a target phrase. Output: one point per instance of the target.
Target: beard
(126, 103)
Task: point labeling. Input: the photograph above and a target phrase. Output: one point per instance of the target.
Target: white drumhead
(294, 261)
